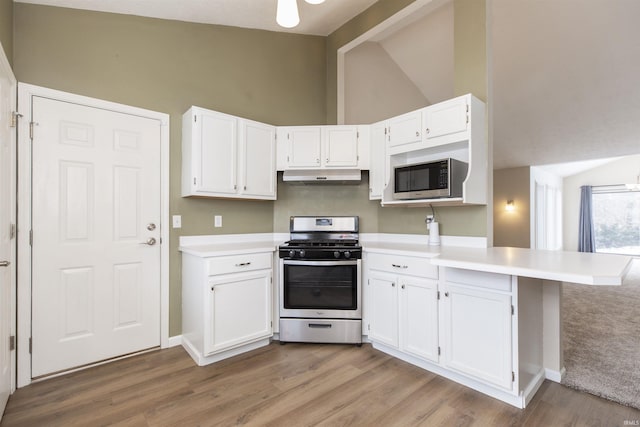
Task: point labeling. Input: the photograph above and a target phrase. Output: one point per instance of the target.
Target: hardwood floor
(290, 385)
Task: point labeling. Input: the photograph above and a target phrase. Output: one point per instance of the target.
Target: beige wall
(6, 28)
(375, 87)
(168, 66)
(512, 228)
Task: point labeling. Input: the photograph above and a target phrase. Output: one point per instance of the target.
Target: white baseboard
(555, 376)
(174, 341)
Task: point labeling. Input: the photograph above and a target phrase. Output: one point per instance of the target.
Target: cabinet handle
(402, 286)
(243, 264)
(417, 133)
(245, 188)
(212, 288)
(399, 266)
(446, 294)
(427, 130)
(393, 285)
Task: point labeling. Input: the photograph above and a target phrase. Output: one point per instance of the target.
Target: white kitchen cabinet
(227, 156)
(226, 304)
(446, 118)
(477, 316)
(240, 310)
(318, 147)
(419, 317)
(405, 129)
(383, 309)
(403, 304)
(378, 168)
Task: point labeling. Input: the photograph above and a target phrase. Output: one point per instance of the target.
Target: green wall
(6, 28)
(167, 66)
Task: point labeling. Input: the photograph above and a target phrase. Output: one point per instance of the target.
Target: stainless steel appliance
(440, 178)
(320, 281)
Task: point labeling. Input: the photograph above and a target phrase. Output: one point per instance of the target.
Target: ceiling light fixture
(287, 12)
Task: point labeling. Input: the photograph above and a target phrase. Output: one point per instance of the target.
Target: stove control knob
(292, 253)
(347, 254)
(336, 254)
(301, 252)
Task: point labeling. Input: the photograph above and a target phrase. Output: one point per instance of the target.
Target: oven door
(320, 289)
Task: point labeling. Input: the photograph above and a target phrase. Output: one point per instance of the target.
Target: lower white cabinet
(459, 323)
(403, 309)
(477, 340)
(226, 304)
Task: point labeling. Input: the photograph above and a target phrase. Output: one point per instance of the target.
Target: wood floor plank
(290, 385)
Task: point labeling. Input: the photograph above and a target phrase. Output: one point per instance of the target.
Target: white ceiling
(320, 19)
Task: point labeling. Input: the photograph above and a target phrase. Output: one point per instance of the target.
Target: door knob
(151, 226)
(151, 241)
(5, 263)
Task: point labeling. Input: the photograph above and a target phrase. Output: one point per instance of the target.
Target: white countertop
(562, 266)
(407, 249)
(222, 249)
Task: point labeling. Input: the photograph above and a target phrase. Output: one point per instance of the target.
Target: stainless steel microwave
(436, 179)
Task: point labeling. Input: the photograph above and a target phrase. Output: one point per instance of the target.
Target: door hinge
(194, 180)
(288, 136)
(31, 130)
(30, 345)
(357, 134)
(438, 350)
(14, 118)
(12, 231)
(513, 377)
(195, 119)
(271, 323)
(513, 310)
(12, 342)
(30, 237)
(438, 293)
(368, 326)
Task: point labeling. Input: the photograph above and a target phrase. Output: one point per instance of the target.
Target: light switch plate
(217, 221)
(177, 221)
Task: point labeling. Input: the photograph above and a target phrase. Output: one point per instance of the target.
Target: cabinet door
(304, 147)
(258, 157)
(419, 317)
(405, 129)
(477, 333)
(240, 310)
(383, 315)
(446, 118)
(340, 146)
(377, 166)
(217, 153)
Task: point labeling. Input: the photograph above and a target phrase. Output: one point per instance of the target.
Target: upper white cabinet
(455, 128)
(227, 156)
(446, 118)
(319, 147)
(378, 169)
(405, 130)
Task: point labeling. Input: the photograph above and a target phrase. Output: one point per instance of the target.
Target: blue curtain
(586, 235)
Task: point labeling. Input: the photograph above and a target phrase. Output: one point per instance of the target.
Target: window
(616, 219)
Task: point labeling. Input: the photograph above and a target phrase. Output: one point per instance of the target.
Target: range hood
(323, 176)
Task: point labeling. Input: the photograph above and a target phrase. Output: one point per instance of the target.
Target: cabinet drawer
(238, 263)
(481, 279)
(414, 266)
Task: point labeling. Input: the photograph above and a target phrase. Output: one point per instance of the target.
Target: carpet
(602, 339)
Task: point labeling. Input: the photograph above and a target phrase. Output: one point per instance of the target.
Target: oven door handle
(319, 325)
(319, 263)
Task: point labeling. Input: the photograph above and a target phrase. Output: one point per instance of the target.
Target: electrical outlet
(177, 221)
(217, 221)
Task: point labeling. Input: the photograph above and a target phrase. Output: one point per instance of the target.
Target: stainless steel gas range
(320, 281)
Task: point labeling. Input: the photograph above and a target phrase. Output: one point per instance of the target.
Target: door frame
(5, 68)
(25, 93)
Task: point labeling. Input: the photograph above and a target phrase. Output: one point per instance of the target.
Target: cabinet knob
(393, 285)
(446, 294)
(402, 286)
(417, 133)
(245, 188)
(427, 130)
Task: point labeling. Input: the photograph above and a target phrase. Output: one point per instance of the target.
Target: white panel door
(96, 231)
(259, 159)
(7, 218)
(218, 152)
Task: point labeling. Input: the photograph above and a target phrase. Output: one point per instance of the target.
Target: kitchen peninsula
(488, 318)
